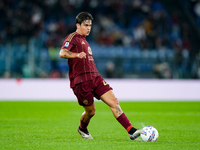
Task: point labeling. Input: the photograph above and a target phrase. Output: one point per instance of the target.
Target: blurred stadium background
(129, 38)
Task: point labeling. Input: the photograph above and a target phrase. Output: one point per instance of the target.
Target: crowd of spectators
(139, 23)
(143, 24)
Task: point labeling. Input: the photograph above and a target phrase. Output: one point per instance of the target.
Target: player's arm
(64, 53)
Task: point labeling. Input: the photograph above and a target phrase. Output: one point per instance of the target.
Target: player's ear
(78, 25)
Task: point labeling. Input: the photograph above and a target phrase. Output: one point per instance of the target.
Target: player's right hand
(81, 55)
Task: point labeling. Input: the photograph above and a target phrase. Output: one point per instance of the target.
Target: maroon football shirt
(84, 69)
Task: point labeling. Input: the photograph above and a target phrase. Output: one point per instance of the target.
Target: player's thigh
(101, 87)
(110, 99)
(84, 93)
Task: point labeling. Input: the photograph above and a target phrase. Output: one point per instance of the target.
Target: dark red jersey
(84, 69)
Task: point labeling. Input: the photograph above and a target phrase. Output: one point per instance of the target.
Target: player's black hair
(81, 17)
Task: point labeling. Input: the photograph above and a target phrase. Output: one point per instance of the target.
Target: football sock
(123, 120)
(132, 130)
(84, 125)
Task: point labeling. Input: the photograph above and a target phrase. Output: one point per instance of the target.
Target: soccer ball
(149, 134)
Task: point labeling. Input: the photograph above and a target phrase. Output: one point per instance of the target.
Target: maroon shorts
(86, 91)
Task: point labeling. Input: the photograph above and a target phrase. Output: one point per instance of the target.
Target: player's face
(85, 27)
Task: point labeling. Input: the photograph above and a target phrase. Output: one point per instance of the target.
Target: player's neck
(79, 32)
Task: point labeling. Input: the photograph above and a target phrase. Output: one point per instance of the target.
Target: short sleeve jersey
(84, 69)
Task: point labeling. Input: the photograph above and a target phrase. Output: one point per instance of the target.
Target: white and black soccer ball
(149, 134)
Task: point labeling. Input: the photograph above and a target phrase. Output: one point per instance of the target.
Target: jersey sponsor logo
(66, 44)
(83, 42)
(90, 58)
(89, 50)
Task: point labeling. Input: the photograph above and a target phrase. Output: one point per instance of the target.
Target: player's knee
(115, 102)
(91, 113)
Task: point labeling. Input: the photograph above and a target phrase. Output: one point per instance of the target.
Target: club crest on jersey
(66, 44)
(83, 42)
(89, 50)
(85, 102)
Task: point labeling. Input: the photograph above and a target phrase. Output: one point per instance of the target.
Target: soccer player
(85, 80)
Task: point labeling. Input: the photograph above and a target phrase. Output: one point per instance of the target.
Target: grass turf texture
(53, 125)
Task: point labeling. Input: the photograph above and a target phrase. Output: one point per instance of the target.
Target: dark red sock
(84, 125)
(123, 120)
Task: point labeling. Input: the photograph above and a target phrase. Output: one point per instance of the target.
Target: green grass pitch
(53, 126)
